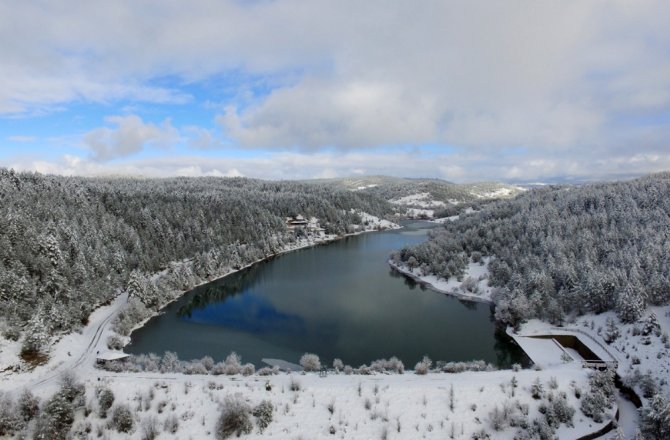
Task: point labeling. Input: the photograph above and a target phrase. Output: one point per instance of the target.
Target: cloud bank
(572, 84)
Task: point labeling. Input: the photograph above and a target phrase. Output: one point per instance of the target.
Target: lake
(339, 300)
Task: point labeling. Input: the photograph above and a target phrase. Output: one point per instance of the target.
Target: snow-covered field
(420, 200)
(349, 407)
(498, 193)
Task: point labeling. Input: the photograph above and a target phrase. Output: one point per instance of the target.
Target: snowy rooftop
(283, 365)
(543, 352)
(111, 355)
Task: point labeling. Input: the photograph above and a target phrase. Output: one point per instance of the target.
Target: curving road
(83, 355)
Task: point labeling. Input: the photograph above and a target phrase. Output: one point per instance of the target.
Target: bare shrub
(105, 400)
(115, 342)
(28, 405)
(10, 419)
(248, 369)
(234, 418)
(149, 427)
(263, 413)
(394, 365)
(294, 384)
(423, 366)
(122, 418)
(171, 424)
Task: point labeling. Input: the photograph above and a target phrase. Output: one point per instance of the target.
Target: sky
(507, 90)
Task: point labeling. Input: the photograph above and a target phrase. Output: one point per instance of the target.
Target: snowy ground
(373, 223)
(498, 193)
(633, 350)
(420, 200)
(73, 352)
(476, 271)
(404, 406)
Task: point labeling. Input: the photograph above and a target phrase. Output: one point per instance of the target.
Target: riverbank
(452, 287)
(370, 223)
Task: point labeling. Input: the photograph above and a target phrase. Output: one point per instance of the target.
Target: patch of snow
(419, 213)
(497, 193)
(421, 200)
(543, 352)
(452, 286)
(359, 188)
(374, 223)
(442, 220)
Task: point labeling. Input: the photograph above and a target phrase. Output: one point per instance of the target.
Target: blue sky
(517, 91)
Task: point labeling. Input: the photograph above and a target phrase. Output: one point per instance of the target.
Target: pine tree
(630, 305)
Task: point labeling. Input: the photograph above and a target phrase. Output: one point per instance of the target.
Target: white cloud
(21, 138)
(573, 78)
(130, 136)
(457, 167)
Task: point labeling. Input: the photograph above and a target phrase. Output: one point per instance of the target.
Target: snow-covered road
(74, 352)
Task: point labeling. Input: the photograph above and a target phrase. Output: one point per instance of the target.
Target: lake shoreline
(323, 242)
(459, 295)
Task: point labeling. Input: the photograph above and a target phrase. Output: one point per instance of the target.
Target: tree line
(563, 249)
(70, 244)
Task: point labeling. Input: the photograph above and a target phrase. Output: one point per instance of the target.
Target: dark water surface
(337, 300)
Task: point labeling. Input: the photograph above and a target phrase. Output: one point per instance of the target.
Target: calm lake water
(337, 300)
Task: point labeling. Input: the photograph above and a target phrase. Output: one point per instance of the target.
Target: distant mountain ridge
(395, 188)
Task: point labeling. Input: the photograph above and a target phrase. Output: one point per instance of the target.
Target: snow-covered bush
(611, 331)
(470, 285)
(648, 385)
(56, 419)
(263, 413)
(231, 366)
(393, 365)
(338, 365)
(594, 405)
(28, 405)
(195, 367)
(248, 369)
(207, 362)
(423, 366)
(556, 410)
(310, 362)
(481, 435)
(294, 384)
(114, 342)
(171, 424)
(122, 418)
(459, 367)
(234, 418)
(267, 371)
(105, 400)
(537, 389)
(655, 419)
(149, 427)
(10, 418)
(71, 389)
(170, 363)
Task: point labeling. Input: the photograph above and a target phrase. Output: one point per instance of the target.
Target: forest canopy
(70, 244)
(563, 249)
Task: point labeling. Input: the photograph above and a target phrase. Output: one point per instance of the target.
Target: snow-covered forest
(70, 244)
(563, 249)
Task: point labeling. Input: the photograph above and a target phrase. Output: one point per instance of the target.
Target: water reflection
(339, 300)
